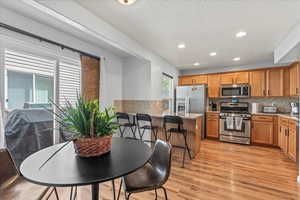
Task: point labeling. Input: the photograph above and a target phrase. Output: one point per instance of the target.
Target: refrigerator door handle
(187, 104)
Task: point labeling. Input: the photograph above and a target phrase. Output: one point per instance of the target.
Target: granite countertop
(213, 111)
(286, 115)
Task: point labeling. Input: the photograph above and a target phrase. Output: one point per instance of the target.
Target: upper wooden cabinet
(234, 78)
(294, 79)
(274, 82)
(258, 83)
(193, 80)
(213, 81)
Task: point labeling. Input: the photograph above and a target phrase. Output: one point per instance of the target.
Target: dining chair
(14, 186)
(178, 122)
(153, 175)
(144, 122)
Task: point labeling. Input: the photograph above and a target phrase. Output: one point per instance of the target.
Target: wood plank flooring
(222, 171)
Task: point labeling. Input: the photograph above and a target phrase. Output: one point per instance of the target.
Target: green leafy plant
(84, 119)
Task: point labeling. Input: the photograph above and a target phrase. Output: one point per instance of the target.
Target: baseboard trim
(298, 179)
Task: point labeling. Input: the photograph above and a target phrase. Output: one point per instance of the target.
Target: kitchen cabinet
(213, 85)
(212, 125)
(292, 140)
(294, 79)
(258, 83)
(185, 80)
(234, 78)
(262, 129)
(193, 80)
(274, 82)
(287, 137)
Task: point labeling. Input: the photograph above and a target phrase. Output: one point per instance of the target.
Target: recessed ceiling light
(181, 46)
(241, 34)
(236, 59)
(213, 54)
(196, 64)
(126, 2)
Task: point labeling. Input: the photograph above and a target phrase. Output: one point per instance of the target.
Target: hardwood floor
(222, 171)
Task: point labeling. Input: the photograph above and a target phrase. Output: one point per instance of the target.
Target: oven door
(243, 132)
(233, 91)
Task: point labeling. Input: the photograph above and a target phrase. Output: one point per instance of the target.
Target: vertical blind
(69, 81)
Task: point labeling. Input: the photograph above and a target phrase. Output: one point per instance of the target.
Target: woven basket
(91, 147)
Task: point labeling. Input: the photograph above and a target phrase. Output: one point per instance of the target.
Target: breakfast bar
(193, 123)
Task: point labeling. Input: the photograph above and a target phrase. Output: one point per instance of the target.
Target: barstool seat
(124, 121)
(176, 120)
(145, 118)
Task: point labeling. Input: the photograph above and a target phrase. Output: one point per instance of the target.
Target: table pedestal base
(95, 191)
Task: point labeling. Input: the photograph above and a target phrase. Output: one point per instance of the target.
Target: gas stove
(235, 124)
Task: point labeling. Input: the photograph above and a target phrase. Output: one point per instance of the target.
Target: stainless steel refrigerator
(191, 99)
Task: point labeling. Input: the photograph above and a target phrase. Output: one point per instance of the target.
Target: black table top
(68, 169)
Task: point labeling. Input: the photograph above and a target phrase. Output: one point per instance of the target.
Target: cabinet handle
(268, 92)
(264, 92)
(280, 129)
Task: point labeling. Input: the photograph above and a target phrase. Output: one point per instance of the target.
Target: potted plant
(91, 129)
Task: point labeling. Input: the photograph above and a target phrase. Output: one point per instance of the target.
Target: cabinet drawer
(263, 118)
(212, 116)
(284, 121)
(293, 124)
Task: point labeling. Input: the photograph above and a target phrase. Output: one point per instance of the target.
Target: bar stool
(145, 118)
(124, 121)
(176, 120)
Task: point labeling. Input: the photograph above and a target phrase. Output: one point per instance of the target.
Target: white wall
(136, 79)
(111, 87)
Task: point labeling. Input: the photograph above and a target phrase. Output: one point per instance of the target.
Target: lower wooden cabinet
(287, 137)
(262, 132)
(212, 125)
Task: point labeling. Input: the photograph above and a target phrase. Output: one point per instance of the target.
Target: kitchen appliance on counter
(294, 108)
(270, 109)
(235, 91)
(235, 123)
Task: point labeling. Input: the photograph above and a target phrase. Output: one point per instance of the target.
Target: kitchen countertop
(192, 116)
(286, 115)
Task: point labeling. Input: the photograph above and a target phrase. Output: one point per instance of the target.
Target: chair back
(170, 119)
(143, 117)
(161, 159)
(122, 116)
(8, 171)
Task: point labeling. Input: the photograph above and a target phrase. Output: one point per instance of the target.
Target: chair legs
(124, 129)
(73, 193)
(165, 192)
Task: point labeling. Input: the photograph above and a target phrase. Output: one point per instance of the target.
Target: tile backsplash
(283, 103)
(139, 106)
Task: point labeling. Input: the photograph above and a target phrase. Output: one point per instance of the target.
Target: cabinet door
(185, 80)
(213, 85)
(275, 82)
(241, 77)
(294, 79)
(292, 140)
(258, 83)
(200, 79)
(285, 140)
(212, 127)
(227, 79)
(262, 132)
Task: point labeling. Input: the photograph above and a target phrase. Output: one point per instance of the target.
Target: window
(167, 92)
(29, 79)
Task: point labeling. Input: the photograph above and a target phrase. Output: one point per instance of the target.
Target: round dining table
(66, 169)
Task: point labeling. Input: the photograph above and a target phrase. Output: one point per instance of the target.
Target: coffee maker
(294, 108)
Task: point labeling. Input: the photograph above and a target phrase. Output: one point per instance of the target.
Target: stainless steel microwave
(234, 91)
